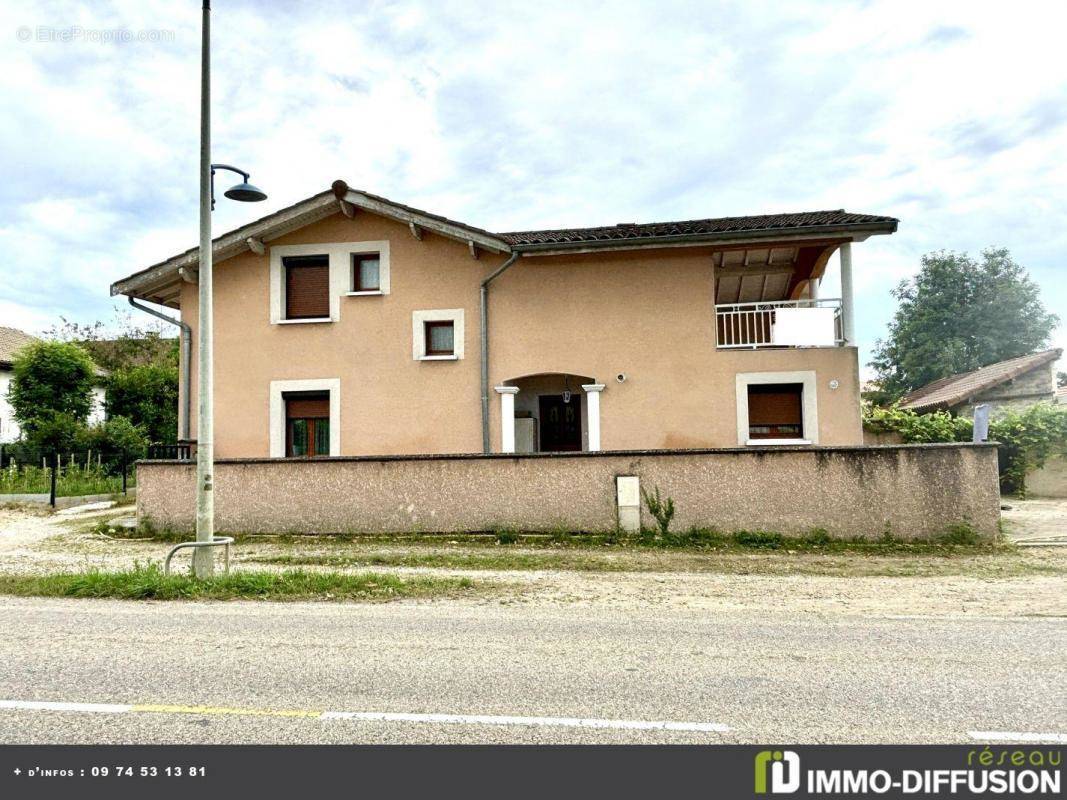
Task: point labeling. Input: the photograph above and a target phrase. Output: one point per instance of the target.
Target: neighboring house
(11, 341)
(349, 324)
(1010, 385)
(1061, 395)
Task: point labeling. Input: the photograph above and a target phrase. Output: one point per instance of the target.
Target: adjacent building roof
(159, 283)
(11, 341)
(956, 389)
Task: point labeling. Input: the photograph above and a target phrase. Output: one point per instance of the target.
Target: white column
(507, 417)
(592, 409)
(813, 288)
(848, 314)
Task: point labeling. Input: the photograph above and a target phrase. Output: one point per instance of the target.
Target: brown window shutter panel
(307, 288)
(774, 408)
(309, 407)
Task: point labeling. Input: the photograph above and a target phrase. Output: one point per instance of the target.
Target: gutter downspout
(185, 410)
(485, 345)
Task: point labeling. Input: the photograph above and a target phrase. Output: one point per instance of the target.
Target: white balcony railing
(782, 323)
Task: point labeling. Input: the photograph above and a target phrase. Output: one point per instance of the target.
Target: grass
(461, 560)
(147, 582)
(72, 481)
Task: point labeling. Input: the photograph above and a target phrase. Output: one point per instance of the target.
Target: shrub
(147, 394)
(661, 510)
(961, 534)
(506, 537)
(1027, 438)
(816, 537)
(767, 540)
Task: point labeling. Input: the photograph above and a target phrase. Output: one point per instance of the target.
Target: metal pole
(203, 560)
(52, 480)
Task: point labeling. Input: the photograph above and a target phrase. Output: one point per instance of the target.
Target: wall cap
(777, 450)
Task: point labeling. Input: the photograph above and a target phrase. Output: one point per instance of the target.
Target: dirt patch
(1030, 582)
(1035, 519)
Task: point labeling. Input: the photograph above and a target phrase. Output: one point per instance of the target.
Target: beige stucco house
(349, 324)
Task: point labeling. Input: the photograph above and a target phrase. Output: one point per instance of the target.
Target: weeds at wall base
(958, 538)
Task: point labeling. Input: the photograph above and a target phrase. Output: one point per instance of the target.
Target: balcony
(780, 323)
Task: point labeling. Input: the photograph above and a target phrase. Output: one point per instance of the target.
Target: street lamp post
(203, 559)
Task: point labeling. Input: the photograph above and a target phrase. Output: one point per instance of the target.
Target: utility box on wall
(628, 494)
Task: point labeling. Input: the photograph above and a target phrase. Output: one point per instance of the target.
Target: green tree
(148, 396)
(1061, 378)
(957, 315)
(51, 391)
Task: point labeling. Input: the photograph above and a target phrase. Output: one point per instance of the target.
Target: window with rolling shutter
(775, 411)
(307, 424)
(307, 287)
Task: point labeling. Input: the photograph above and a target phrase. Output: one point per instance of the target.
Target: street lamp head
(246, 193)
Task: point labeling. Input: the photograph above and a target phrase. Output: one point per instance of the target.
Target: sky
(949, 116)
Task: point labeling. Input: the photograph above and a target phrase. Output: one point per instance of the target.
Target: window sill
(308, 321)
(368, 293)
(439, 358)
(775, 442)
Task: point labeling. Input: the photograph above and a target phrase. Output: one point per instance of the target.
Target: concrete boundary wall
(914, 491)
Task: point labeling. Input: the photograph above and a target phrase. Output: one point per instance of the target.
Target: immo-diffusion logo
(784, 769)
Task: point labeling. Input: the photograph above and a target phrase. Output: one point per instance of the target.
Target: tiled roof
(695, 227)
(158, 282)
(947, 392)
(11, 341)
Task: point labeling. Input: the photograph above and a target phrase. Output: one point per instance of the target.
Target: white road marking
(1016, 736)
(374, 716)
(92, 708)
(552, 722)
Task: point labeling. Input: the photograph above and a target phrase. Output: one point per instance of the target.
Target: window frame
(809, 406)
(312, 422)
(277, 417)
(293, 262)
(783, 388)
(419, 342)
(428, 326)
(356, 260)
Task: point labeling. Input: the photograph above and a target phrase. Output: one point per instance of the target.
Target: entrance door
(561, 423)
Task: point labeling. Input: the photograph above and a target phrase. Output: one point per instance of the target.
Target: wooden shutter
(307, 287)
(308, 406)
(775, 405)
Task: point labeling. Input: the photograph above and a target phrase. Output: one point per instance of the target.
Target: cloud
(510, 116)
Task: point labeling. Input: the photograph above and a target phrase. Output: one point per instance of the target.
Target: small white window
(437, 335)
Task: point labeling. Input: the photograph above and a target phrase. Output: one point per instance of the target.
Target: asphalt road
(801, 678)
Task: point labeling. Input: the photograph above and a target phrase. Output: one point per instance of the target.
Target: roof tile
(691, 227)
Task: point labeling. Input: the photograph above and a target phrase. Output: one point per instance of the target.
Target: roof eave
(856, 232)
(165, 273)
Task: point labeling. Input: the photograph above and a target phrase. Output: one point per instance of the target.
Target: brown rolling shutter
(307, 287)
(308, 406)
(774, 408)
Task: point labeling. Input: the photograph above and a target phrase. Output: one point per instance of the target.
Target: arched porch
(550, 412)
